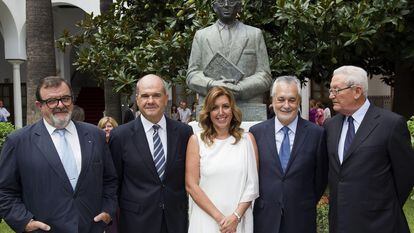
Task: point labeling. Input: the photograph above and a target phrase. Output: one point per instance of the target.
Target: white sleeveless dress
(228, 176)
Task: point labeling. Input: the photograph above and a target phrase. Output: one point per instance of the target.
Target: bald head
(150, 80)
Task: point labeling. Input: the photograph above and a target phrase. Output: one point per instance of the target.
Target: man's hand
(105, 217)
(36, 225)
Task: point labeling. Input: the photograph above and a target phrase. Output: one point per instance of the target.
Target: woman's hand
(229, 224)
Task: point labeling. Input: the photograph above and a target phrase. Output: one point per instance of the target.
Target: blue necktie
(284, 154)
(159, 157)
(67, 158)
(349, 135)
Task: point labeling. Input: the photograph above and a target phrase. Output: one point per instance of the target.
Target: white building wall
(13, 20)
(377, 88)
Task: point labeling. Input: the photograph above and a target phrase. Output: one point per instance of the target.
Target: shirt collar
(50, 129)
(222, 25)
(148, 124)
(292, 126)
(360, 113)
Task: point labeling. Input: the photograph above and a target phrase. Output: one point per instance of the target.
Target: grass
(4, 228)
(409, 213)
(408, 209)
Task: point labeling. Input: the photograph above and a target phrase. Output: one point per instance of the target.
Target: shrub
(410, 124)
(5, 129)
(322, 210)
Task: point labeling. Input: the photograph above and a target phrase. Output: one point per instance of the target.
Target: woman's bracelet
(237, 216)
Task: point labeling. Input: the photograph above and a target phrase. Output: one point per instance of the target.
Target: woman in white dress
(221, 171)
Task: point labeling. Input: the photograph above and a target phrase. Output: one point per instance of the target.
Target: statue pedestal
(244, 125)
(253, 111)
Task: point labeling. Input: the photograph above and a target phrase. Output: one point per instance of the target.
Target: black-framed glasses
(335, 91)
(229, 2)
(53, 102)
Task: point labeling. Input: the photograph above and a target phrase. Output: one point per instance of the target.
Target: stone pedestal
(254, 112)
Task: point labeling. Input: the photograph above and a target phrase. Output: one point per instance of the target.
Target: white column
(305, 99)
(17, 93)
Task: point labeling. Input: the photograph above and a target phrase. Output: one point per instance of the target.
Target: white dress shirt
(71, 137)
(185, 114)
(280, 135)
(358, 117)
(149, 132)
(4, 113)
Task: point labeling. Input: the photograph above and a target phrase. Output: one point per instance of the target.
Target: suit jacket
(247, 52)
(368, 190)
(294, 194)
(33, 182)
(128, 116)
(144, 199)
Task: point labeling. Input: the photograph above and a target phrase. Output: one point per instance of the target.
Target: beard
(61, 123)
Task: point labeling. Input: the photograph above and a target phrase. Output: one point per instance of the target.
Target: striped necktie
(159, 156)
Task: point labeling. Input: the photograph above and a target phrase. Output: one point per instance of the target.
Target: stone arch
(87, 6)
(14, 40)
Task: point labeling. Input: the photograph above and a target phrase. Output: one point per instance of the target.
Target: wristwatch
(237, 216)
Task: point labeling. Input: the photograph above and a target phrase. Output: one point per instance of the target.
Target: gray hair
(354, 76)
(288, 80)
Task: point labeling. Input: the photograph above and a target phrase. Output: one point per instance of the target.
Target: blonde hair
(209, 132)
(102, 122)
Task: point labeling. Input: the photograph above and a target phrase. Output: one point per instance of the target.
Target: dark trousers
(164, 225)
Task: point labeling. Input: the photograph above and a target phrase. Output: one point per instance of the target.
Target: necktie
(349, 135)
(67, 158)
(159, 157)
(226, 39)
(284, 154)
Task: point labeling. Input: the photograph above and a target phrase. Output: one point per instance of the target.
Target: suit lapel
(300, 137)
(44, 143)
(336, 135)
(271, 142)
(214, 42)
(142, 146)
(86, 146)
(368, 124)
(172, 139)
(239, 42)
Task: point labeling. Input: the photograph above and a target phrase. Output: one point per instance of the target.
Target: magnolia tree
(306, 38)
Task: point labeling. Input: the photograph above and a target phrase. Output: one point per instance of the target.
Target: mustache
(60, 110)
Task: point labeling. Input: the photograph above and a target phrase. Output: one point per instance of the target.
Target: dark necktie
(350, 134)
(67, 158)
(159, 157)
(285, 149)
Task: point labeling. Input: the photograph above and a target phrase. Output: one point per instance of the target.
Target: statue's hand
(235, 89)
(219, 83)
(227, 80)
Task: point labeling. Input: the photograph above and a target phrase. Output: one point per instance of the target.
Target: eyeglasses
(229, 2)
(336, 91)
(53, 102)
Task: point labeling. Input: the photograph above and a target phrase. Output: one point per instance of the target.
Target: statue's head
(227, 10)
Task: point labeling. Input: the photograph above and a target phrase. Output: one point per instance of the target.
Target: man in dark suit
(149, 155)
(292, 165)
(370, 160)
(129, 114)
(57, 175)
